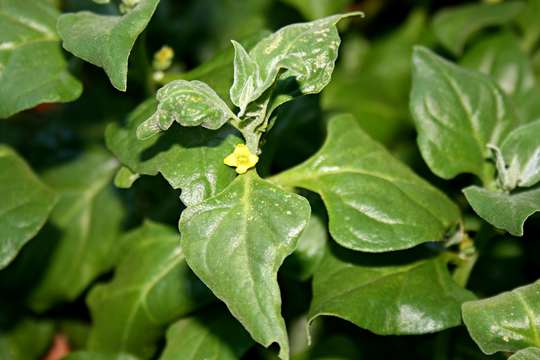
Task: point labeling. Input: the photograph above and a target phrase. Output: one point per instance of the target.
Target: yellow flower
(241, 158)
(163, 58)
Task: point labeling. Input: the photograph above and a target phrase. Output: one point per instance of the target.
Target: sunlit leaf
(506, 322)
(104, 40)
(355, 177)
(32, 67)
(236, 241)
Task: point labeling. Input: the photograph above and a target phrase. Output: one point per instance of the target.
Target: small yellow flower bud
(163, 58)
(241, 158)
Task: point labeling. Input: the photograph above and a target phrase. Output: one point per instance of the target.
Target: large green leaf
(455, 26)
(507, 322)
(458, 113)
(87, 220)
(501, 57)
(518, 160)
(151, 288)
(212, 335)
(504, 210)
(387, 293)
(307, 51)
(25, 206)
(190, 103)
(190, 159)
(26, 340)
(532, 353)
(355, 177)
(104, 40)
(236, 241)
(32, 67)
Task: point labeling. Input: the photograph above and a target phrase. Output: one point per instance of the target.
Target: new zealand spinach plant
(251, 195)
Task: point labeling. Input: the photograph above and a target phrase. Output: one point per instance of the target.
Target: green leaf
(87, 219)
(355, 176)
(503, 210)
(455, 26)
(315, 9)
(309, 253)
(236, 241)
(307, 51)
(28, 339)
(387, 293)
(104, 40)
(190, 103)
(25, 206)
(214, 334)
(32, 67)
(152, 287)
(507, 322)
(216, 72)
(532, 353)
(93, 355)
(518, 160)
(190, 159)
(458, 113)
(501, 57)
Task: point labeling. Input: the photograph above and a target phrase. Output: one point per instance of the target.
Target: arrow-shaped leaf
(236, 241)
(106, 41)
(355, 177)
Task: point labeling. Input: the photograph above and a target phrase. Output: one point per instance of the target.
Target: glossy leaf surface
(25, 206)
(190, 103)
(307, 51)
(387, 293)
(88, 218)
(236, 241)
(151, 288)
(104, 40)
(190, 159)
(503, 210)
(32, 67)
(507, 322)
(355, 177)
(455, 26)
(212, 335)
(458, 113)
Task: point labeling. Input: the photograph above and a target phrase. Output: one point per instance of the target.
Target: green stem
(464, 260)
